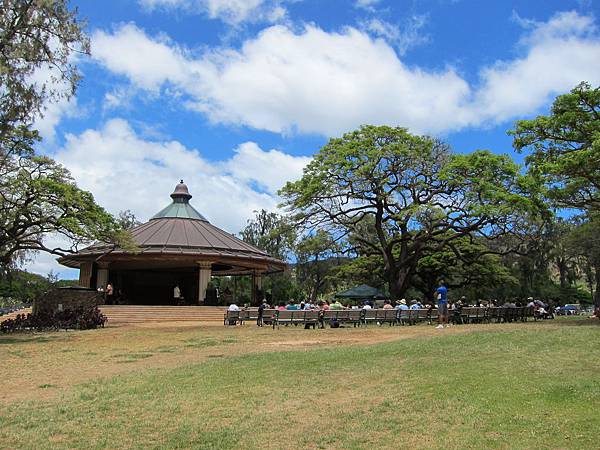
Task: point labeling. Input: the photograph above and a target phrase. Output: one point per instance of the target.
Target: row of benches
(358, 317)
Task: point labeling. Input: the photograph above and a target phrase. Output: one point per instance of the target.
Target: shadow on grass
(576, 322)
(27, 338)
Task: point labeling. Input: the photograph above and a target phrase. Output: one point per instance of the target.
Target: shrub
(83, 318)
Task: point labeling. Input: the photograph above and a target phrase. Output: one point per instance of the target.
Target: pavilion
(177, 247)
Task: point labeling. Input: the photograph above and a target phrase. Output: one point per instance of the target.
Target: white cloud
(119, 98)
(123, 171)
(54, 109)
(148, 63)
(44, 263)
(366, 4)
(231, 11)
(53, 113)
(403, 36)
(129, 172)
(267, 169)
(558, 54)
(315, 81)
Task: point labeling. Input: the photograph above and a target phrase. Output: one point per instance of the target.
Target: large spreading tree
(39, 42)
(401, 196)
(565, 147)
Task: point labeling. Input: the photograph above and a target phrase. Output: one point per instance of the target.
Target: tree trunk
(399, 282)
(597, 293)
(562, 271)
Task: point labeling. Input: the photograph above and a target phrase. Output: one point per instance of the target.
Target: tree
(316, 256)
(565, 147)
(38, 198)
(470, 269)
(584, 241)
(38, 39)
(269, 232)
(127, 220)
(401, 195)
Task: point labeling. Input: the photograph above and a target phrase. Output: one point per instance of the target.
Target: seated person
(336, 305)
(401, 304)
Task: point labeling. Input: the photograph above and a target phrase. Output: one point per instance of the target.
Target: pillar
(204, 275)
(102, 275)
(85, 274)
(256, 286)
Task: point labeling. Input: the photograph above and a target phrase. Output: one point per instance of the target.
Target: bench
(296, 317)
(231, 317)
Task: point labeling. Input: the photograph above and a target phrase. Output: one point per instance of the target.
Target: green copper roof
(180, 208)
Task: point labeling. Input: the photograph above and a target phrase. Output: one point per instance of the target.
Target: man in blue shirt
(441, 294)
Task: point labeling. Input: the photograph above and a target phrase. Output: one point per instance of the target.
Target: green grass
(529, 387)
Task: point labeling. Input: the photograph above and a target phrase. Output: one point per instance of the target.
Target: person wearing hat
(261, 312)
(401, 304)
(531, 303)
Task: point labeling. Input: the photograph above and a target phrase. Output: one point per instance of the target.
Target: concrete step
(145, 313)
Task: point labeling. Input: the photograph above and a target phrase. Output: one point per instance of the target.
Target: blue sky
(234, 96)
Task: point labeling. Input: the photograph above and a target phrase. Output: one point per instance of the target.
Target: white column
(203, 279)
(85, 274)
(102, 276)
(256, 286)
(258, 281)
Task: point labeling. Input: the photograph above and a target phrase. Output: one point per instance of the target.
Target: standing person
(109, 294)
(261, 312)
(176, 295)
(442, 298)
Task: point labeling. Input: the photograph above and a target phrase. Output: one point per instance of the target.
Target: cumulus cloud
(557, 55)
(314, 81)
(148, 63)
(231, 11)
(130, 172)
(125, 170)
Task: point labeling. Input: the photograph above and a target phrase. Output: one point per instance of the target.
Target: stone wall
(67, 298)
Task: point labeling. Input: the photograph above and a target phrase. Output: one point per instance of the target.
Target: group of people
(324, 305)
(446, 309)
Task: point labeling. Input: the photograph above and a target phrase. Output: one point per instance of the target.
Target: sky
(234, 96)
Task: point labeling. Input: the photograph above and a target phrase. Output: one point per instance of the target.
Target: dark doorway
(154, 287)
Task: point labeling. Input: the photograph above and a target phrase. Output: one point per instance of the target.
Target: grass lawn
(534, 385)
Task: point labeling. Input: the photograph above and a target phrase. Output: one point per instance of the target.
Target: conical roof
(180, 207)
(179, 231)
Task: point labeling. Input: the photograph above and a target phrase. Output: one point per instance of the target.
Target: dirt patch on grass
(46, 365)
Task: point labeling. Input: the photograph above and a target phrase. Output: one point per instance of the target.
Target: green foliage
(36, 37)
(565, 147)
(465, 266)
(584, 241)
(400, 196)
(39, 197)
(269, 232)
(23, 287)
(316, 257)
(38, 42)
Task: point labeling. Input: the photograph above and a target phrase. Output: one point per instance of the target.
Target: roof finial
(181, 181)
(181, 193)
